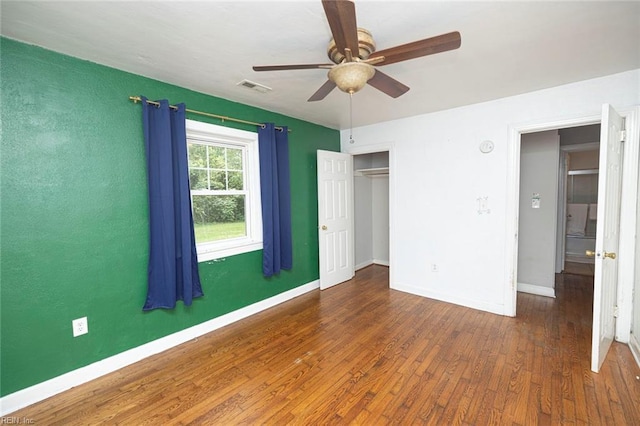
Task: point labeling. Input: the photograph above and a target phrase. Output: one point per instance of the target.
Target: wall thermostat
(486, 147)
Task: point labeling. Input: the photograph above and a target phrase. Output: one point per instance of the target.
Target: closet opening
(371, 209)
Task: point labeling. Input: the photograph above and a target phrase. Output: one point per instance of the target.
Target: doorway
(383, 161)
(371, 209)
(618, 183)
(558, 205)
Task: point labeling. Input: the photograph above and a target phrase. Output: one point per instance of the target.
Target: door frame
(628, 214)
(561, 213)
(390, 148)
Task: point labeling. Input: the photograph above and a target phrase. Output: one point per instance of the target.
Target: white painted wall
(439, 173)
(363, 222)
(539, 156)
(362, 190)
(380, 220)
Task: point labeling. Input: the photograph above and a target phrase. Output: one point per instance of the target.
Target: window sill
(213, 254)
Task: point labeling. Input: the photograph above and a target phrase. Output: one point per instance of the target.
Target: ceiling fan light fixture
(350, 77)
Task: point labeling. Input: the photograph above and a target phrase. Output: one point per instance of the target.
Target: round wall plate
(486, 147)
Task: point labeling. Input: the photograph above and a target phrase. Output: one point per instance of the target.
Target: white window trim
(207, 132)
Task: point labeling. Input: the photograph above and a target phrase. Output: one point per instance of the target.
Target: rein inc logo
(8, 420)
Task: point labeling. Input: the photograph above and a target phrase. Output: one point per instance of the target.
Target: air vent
(254, 86)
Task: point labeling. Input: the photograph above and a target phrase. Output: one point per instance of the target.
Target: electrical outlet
(80, 326)
(434, 267)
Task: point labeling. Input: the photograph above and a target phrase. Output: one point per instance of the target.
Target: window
(225, 190)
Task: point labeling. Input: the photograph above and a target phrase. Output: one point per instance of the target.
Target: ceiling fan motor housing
(366, 46)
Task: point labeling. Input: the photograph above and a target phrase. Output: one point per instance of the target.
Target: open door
(335, 218)
(607, 235)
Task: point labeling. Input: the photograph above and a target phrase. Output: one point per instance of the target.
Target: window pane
(218, 217)
(234, 159)
(198, 179)
(218, 180)
(197, 155)
(216, 157)
(235, 180)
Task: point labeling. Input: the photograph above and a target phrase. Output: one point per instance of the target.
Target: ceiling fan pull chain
(351, 118)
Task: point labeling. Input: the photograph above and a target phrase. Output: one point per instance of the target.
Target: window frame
(214, 135)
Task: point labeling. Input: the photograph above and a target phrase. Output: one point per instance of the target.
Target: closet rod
(137, 99)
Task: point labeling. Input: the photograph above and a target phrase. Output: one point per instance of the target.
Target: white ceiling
(507, 48)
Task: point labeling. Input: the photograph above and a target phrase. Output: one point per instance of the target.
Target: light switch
(535, 201)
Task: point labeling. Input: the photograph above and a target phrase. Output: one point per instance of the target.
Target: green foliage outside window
(218, 208)
(216, 178)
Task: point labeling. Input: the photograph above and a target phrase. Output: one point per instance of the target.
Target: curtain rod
(137, 99)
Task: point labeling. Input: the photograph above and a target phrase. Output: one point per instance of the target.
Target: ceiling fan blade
(323, 91)
(419, 48)
(388, 85)
(341, 15)
(290, 67)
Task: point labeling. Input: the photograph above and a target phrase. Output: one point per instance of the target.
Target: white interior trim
(364, 264)
(382, 147)
(371, 262)
(41, 391)
(628, 225)
(537, 290)
(513, 196)
(634, 345)
(214, 134)
(445, 297)
(628, 217)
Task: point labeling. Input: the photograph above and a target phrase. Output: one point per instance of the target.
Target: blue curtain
(173, 263)
(275, 191)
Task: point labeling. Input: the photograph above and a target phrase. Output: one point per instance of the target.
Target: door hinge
(623, 135)
(616, 311)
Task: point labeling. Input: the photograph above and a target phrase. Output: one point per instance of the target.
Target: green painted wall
(74, 215)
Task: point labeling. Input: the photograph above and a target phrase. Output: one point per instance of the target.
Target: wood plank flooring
(576, 268)
(360, 353)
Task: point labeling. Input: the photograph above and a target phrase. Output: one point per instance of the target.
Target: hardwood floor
(360, 353)
(576, 268)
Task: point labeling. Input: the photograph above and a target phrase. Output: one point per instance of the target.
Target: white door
(607, 235)
(335, 218)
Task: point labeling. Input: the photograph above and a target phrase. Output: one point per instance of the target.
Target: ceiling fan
(354, 56)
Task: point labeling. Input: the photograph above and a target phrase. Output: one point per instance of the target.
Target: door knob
(324, 227)
(593, 253)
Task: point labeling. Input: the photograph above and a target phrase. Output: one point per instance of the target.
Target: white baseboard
(363, 265)
(634, 345)
(537, 289)
(370, 262)
(469, 303)
(578, 258)
(41, 391)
